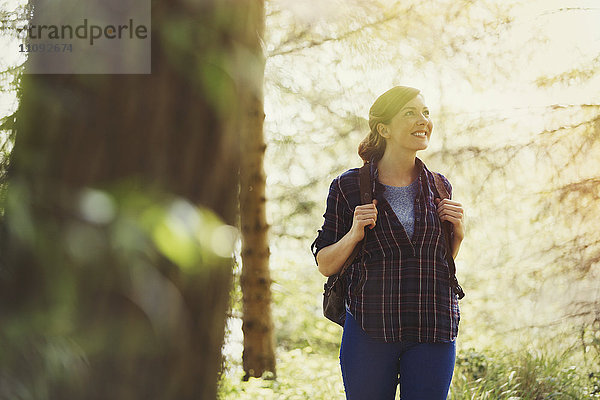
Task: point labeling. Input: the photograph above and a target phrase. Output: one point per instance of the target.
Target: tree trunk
(114, 279)
(259, 353)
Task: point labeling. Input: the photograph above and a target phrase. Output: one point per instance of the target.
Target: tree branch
(314, 43)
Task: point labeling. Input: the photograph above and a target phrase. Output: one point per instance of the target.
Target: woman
(402, 316)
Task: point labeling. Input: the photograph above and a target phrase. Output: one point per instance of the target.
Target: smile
(419, 134)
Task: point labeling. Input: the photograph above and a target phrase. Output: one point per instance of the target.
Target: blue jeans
(370, 368)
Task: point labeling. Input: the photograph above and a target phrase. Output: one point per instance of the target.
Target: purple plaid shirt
(398, 287)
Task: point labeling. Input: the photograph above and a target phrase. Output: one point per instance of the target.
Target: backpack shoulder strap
(364, 182)
(441, 188)
(447, 228)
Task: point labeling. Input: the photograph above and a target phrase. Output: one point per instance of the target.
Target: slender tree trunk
(114, 281)
(259, 354)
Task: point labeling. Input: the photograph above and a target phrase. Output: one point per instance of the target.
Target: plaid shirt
(398, 287)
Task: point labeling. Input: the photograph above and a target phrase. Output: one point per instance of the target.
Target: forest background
(514, 89)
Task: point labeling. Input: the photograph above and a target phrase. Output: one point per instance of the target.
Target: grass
(523, 375)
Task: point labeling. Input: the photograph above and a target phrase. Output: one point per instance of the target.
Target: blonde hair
(382, 111)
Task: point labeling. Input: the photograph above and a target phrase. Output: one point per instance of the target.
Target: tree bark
(259, 353)
(112, 284)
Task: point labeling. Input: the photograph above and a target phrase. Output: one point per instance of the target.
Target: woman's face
(410, 129)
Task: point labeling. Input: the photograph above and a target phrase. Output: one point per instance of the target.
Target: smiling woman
(401, 310)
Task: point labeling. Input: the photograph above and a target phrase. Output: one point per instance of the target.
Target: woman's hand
(453, 212)
(330, 259)
(365, 215)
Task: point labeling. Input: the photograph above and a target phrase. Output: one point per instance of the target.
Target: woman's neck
(397, 169)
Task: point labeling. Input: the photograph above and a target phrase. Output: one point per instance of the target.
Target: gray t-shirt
(402, 200)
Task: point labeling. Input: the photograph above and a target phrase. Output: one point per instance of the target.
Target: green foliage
(297, 311)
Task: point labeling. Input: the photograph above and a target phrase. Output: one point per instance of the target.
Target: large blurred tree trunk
(115, 281)
(259, 353)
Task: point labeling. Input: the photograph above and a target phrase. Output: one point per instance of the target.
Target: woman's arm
(330, 259)
(452, 211)
(456, 241)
